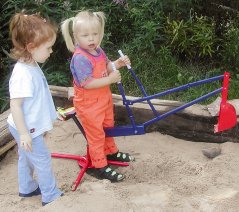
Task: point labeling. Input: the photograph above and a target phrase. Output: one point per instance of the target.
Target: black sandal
(120, 156)
(106, 173)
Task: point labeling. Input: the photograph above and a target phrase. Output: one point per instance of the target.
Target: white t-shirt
(29, 82)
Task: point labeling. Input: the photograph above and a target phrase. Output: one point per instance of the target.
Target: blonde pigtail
(67, 27)
(101, 18)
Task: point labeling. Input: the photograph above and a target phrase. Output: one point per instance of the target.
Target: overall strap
(87, 55)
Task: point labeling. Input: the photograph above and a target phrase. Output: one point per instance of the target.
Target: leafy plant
(166, 43)
(4, 96)
(230, 53)
(57, 78)
(193, 38)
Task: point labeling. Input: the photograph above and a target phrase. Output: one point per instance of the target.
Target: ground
(169, 175)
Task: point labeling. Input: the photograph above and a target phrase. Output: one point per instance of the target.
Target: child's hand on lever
(122, 61)
(115, 76)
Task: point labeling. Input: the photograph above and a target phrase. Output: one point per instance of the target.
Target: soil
(169, 175)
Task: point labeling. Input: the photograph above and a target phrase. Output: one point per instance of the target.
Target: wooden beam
(7, 146)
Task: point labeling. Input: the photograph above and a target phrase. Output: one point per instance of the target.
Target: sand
(169, 175)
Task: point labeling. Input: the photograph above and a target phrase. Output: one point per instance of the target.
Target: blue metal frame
(134, 129)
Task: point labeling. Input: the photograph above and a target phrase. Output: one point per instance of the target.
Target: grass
(163, 75)
(157, 76)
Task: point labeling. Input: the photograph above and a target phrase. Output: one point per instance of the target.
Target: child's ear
(30, 47)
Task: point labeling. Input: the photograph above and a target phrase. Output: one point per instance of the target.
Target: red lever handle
(225, 87)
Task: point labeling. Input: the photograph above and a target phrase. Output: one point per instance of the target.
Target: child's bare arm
(18, 117)
(101, 82)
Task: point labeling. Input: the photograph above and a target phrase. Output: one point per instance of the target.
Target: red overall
(94, 107)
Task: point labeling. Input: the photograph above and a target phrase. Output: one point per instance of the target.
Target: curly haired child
(32, 107)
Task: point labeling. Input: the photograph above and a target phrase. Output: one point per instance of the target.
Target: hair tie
(95, 14)
(71, 28)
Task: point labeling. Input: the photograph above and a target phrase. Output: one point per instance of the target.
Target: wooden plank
(70, 93)
(119, 98)
(5, 136)
(59, 94)
(3, 119)
(6, 147)
(58, 88)
(59, 91)
(6, 139)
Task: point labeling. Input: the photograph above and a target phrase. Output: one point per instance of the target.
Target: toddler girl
(32, 107)
(93, 74)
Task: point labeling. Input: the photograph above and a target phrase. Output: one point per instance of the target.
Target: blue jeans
(39, 160)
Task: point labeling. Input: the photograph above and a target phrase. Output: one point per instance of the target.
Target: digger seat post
(83, 161)
(79, 125)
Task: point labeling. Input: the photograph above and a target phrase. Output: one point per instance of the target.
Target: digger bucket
(227, 115)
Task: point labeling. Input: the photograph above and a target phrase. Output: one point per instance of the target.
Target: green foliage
(167, 41)
(57, 78)
(234, 87)
(230, 53)
(4, 100)
(194, 37)
(157, 72)
(192, 73)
